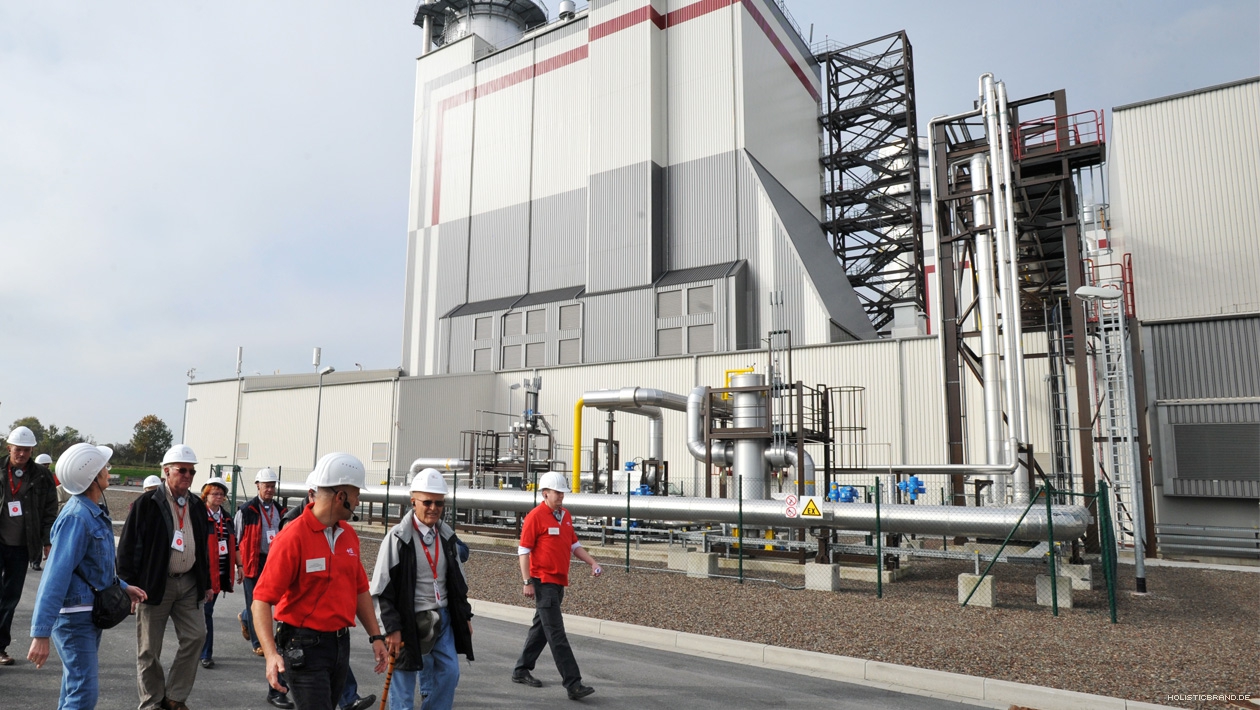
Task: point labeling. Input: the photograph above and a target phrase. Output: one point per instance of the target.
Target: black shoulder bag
(109, 605)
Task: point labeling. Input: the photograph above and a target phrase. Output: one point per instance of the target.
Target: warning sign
(811, 509)
(789, 506)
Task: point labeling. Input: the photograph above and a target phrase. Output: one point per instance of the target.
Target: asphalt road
(624, 676)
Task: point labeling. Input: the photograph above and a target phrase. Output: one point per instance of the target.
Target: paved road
(624, 676)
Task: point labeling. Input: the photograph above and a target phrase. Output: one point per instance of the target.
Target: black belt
(177, 575)
(312, 633)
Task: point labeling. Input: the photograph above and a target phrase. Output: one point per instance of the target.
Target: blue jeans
(77, 642)
(351, 692)
(248, 583)
(207, 651)
(441, 665)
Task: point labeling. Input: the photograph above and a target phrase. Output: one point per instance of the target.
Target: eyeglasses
(108, 467)
(183, 471)
(432, 503)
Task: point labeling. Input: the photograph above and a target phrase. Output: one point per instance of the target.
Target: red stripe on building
(603, 29)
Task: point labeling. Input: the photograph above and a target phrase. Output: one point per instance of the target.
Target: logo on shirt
(350, 551)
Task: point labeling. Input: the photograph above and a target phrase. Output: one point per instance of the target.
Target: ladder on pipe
(1116, 429)
(1060, 415)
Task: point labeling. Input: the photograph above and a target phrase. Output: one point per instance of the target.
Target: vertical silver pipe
(749, 411)
(427, 28)
(1017, 384)
(989, 356)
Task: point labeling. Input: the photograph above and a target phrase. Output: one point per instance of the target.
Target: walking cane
(389, 677)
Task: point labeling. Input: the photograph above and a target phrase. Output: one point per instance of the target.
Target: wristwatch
(377, 637)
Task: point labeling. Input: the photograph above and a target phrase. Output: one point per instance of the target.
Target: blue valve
(912, 486)
(629, 465)
(849, 494)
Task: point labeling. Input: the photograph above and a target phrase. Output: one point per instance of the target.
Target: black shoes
(281, 701)
(362, 703)
(207, 663)
(526, 679)
(580, 691)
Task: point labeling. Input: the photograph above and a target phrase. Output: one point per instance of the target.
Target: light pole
(183, 427)
(511, 399)
(319, 401)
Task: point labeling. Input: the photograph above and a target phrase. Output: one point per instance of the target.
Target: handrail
(1060, 133)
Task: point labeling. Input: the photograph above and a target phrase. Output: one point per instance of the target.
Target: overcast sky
(181, 178)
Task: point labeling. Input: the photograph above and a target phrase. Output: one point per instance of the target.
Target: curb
(975, 690)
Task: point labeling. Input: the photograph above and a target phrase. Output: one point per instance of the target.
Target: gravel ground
(1197, 632)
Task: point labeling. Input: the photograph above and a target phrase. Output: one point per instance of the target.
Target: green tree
(151, 438)
(51, 439)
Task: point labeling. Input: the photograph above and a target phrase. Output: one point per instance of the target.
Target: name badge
(177, 542)
(15, 508)
(271, 535)
(553, 531)
(319, 564)
(223, 547)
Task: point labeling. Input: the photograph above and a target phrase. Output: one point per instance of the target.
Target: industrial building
(633, 195)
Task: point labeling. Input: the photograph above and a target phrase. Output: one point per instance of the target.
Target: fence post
(739, 486)
(879, 547)
(1105, 533)
(1054, 573)
(1031, 502)
(627, 513)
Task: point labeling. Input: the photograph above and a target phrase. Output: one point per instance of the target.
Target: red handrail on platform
(1059, 133)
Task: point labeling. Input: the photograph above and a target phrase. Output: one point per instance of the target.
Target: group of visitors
(305, 589)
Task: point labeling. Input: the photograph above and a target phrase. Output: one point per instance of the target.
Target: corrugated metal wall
(619, 326)
(1184, 179)
(1206, 359)
(279, 426)
(211, 425)
(702, 196)
(432, 411)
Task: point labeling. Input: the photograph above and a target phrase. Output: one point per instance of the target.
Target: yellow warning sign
(811, 509)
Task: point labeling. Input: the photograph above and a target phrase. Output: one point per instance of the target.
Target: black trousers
(548, 630)
(317, 682)
(13, 565)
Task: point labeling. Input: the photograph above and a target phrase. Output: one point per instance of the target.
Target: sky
(178, 179)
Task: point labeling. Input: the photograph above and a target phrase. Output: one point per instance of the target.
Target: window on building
(481, 360)
(242, 451)
(700, 338)
(669, 341)
(511, 357)
(669, 304)
(483, 328)
(380, 451)
(513, 323)
(570, 317)
(699, 300)
(570, 352)
(535, 354)
(536, 321)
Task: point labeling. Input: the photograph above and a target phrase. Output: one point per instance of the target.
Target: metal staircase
(1060, 416)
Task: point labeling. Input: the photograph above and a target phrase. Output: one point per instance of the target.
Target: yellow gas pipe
(577, 445)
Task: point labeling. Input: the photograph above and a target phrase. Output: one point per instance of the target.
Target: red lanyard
(218, 523)
(13, 490)
(263, 506)
(433, 560)
(183, 509)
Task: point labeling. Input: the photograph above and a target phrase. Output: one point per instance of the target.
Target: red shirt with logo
(312, 585)
(550, 543)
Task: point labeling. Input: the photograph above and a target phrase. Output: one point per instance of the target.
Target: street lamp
(319, 401)
(511, 399)
(1125, 379)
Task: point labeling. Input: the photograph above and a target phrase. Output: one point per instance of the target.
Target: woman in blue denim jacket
(82, 547)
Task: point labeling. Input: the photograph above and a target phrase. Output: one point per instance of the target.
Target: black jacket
(394, 585)
(39, 504)
(144, 547)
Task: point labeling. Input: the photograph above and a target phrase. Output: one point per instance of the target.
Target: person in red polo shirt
(316, 581)
(547, 542)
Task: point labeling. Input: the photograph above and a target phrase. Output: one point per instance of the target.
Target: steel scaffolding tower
(871, 189)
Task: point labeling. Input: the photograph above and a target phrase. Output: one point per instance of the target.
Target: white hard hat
(311, 483)
(214, 481)
(429, 481)
(179, 453)
(151, 481)
(43, 459)
(339, 469)
(80, 465)
(266, 476)
(21, 436)
(553, 480)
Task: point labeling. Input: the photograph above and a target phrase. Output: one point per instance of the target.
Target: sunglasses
(432, 503)
(183, 471)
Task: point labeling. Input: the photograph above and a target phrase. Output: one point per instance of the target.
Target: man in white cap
(151, 483)
(30, 507)
(46, 461)
(547, 542)
(420, 589)
(257, 523)
(316, 582)
(164, 550)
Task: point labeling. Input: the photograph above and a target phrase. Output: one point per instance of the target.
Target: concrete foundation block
(867, 574)
(986, 593)
(1064, 590)
(702, 564)
(677, 559)
(822, 577)
(1082, 575)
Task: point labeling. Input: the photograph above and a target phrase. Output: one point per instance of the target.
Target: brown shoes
(244, 628)
(258, 651)
(168, 704)
(6, 659)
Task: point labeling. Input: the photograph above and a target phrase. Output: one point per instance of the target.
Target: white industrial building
(626, 197)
